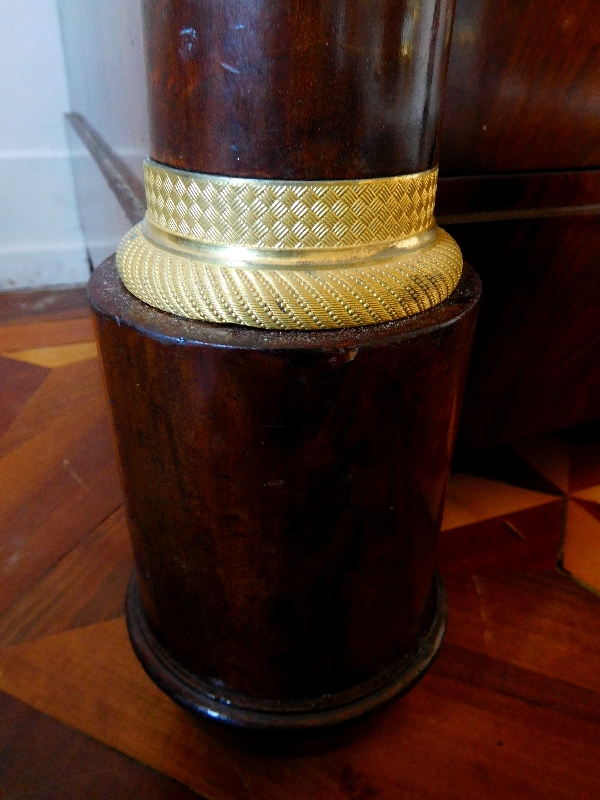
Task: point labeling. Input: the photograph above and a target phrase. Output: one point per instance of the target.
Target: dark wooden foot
(284, 492)
(219, 703)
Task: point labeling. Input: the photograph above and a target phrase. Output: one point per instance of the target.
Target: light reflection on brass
(289, 254)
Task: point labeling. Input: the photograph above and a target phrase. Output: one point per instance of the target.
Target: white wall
(40, 239)
(104, 55)
(105, 69)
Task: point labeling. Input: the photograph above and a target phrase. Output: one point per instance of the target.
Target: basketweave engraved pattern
(289, 299)
(289, 214)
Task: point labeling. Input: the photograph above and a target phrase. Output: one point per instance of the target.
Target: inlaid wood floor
(510, 709)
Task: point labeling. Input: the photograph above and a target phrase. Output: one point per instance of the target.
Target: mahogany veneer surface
(284, 488)
(534, 366)
(522, 89)
(521, 136)
(510, 708)
(297, 90)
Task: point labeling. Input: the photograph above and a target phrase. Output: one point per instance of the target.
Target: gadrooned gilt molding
(289, 254)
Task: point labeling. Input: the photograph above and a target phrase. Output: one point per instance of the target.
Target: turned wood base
(234, 708)
(284, 492)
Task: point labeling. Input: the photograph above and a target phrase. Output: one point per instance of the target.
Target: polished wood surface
(300, 90)
(520, 151)
(267, 477)
(520, 141)
(512, 704)
(529, 195)
(570, 202)
(522, 89)
(534, 367)
(37, 305)
(43, 759)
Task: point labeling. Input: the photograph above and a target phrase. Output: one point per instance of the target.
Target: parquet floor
(510, 709)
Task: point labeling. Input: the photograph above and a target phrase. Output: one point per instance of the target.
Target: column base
(206, 699)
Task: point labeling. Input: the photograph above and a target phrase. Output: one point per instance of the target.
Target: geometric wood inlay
(88, 585)
(89, 679)
(511, 707)
(57, 356)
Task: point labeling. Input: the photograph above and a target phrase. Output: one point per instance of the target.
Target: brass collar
(294, 215)
(289, 254)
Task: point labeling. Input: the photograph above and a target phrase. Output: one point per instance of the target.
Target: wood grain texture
(57, 356)
(522, 98)
(522, 90)
(523, 195)
(581, 554)
(471, 498)
(511, 465)
(42, 759)
(296, 90)
(86, 586)
(486, 672)
(508, 679)
(148, 727)
(51, 304)
(534, 367)
(589, 498)
(525, 540)
(510, 708)
(268, 475)
(69, 400)
(549, 456)
(553, 616)
(18, 381)
(45, 333)
(58, 477)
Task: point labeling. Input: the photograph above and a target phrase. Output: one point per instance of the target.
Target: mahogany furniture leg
(284, 493)
(284, 340)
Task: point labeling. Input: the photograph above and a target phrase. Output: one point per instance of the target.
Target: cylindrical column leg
(284, 493)
(285, 430)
